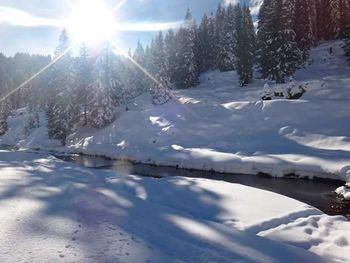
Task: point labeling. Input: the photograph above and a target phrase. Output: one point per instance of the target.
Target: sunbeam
(149, 75)
(121, 51)
(119, 5)
(38, 73)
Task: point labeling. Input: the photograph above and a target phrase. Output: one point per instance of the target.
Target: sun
(90, 21)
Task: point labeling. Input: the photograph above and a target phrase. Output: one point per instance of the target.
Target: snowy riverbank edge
(201, 220)
(241, 168)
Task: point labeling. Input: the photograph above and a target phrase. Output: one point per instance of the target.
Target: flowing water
(318, 193)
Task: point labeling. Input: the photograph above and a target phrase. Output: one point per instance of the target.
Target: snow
(223, 127)
(37, 138)
(344, 191)
(52, 211)
(323, 235)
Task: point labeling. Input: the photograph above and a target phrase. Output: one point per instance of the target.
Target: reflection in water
(317, 193)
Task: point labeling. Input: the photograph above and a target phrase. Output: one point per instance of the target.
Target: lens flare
(122, 52)
(91, 21)
(26, 82)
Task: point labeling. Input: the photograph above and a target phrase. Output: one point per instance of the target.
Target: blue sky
(31, 25)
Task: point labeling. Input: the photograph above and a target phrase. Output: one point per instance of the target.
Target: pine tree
(335, 15)
(85, 79)
(302, 26)
(186, 74)
(266, 28)
(207, 44)
(170, 51)
(245, 44)
(197, 51)
(288, 54)
(219, 28)
(227, 59)
(324, 20)
(346, 36)
(204, 45)
(130, 79)
(313, 20)
(101, 104)
(344, 17)
(100, 107)
(139, 82)
(158, 67)
(63, 108)
(212, 49)
(279, 54)
(5, 110)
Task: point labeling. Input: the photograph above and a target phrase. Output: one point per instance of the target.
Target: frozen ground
(220, 126)
(52, 211)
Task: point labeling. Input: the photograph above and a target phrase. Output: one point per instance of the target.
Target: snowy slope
(221, 126)
(52, 211)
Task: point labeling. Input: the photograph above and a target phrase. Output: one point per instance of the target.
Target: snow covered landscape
(272, 137)
(223, 137)
(52, 211)
(204, 220)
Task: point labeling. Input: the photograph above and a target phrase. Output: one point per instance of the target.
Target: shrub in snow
(291, 91)
(295, 93)
(160, 94)
(267, 92)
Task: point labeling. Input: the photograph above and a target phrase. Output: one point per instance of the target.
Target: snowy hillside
(223, 127)
(52, 211)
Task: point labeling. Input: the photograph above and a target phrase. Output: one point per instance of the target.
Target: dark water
(318, 193)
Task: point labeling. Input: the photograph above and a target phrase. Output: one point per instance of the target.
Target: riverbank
(318, 192)
(51, 209)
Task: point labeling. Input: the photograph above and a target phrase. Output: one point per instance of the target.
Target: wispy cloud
(15, 17)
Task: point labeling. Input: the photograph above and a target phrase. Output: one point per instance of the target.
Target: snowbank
(52, 211)
(223, 127)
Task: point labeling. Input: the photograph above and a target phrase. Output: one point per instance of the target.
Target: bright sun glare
(91, 21)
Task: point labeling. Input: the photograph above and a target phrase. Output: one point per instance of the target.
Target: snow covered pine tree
(160, 87)
(186, 73)
(245, 48)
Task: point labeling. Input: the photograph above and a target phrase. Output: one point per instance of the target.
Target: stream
(318, 193)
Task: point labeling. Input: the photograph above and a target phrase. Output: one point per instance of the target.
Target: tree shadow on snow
(106, 216)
